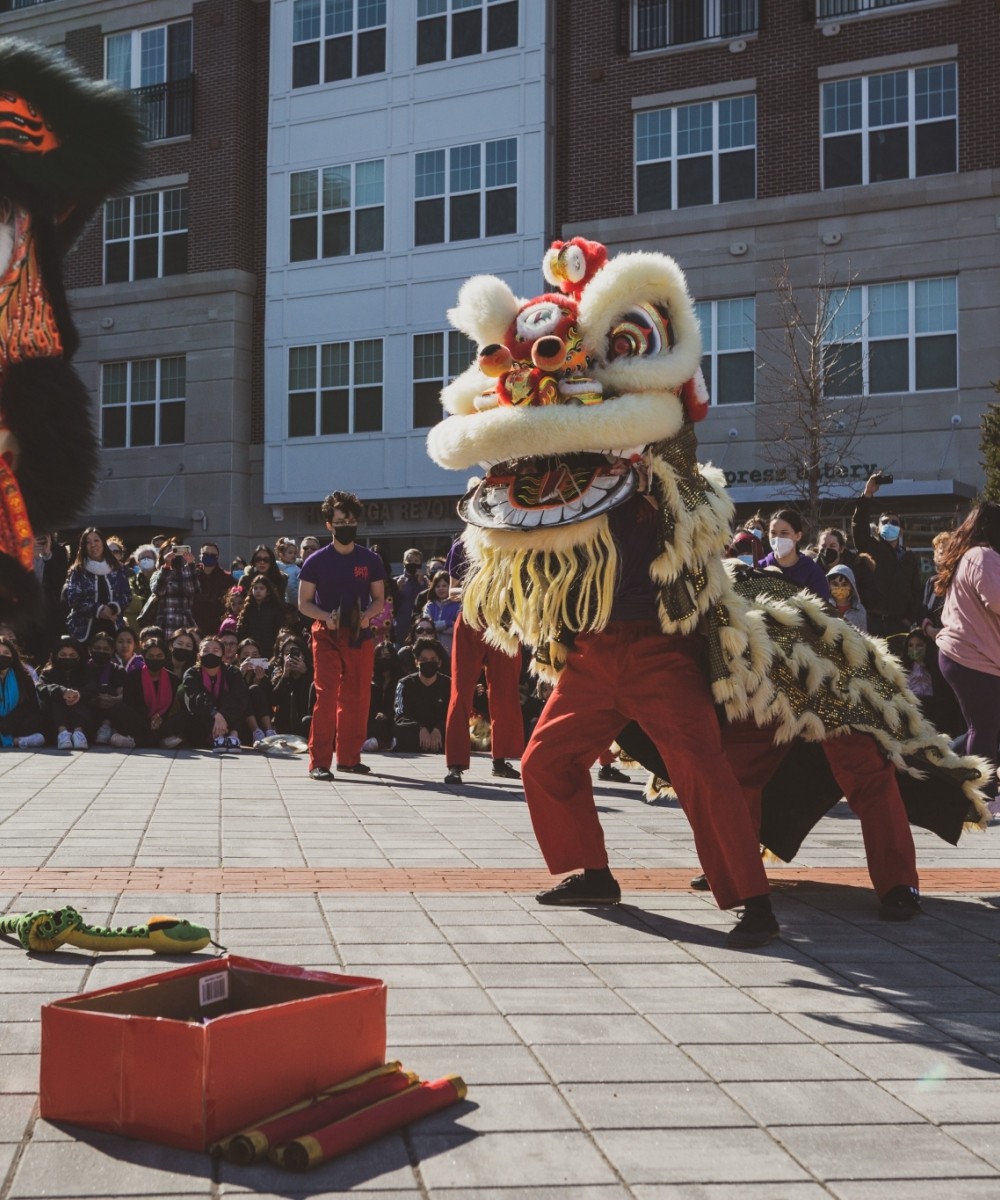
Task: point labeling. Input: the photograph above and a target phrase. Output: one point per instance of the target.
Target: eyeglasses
(262, 559)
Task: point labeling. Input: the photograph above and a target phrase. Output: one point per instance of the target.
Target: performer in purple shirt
(342, 587)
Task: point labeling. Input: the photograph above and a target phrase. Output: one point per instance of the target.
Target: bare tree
(811, 408)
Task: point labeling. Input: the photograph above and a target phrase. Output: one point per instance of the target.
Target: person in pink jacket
(969, 641)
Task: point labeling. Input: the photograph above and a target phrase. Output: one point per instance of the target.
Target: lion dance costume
(66, 143)
(580, 399)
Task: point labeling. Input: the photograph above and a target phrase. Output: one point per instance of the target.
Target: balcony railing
(166, 109)
(848, 8)
(657, 24)
(13, 5)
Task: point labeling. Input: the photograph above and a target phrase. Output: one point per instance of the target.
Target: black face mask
(100, 657)
(6, 662)
(183, 656)
(211, 660)
(428, 669)
(67, 664)
(155, 664)
(411, 568)
(830, 555)
(345, 534)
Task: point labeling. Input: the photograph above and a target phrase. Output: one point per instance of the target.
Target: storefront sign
(828, 473)
(402, 512)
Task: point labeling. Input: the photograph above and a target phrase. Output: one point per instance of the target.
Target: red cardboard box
(189, 1056)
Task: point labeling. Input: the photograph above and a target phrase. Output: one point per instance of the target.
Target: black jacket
(420, 704)
(896, 587)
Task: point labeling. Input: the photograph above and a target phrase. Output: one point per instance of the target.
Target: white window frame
(356, 360)
(457, 353)
(847, 330)
(448, 9)
(163, 211)
(713, 31)
(713, 353)
(866, 129)
(361, 10)
(130, 403)
(136, 79)
(675, 157)
(483, 189)
(353, 209)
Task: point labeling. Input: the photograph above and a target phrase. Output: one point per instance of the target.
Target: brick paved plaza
(609, 1055)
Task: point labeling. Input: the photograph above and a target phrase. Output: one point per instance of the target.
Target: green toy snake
(48, 929)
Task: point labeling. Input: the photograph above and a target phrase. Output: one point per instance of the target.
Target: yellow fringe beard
(527, 594)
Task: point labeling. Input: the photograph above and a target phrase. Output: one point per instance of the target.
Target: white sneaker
(170, 743)
(258, 736)
(31, 741)
(80, 740)
(122, 741)
(219, 745)
(64, 741)
(233, 744)
(103, 737)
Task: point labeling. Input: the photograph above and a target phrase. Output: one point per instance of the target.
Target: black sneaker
(579, 891)
(323, 774)
(503, 770)
(900, 903)
(611, 774)
(454, 776)
(357, 769)
(756, 927)
(700, 883)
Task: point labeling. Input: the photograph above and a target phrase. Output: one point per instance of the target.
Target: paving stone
(830, 1102)
(864, 1152)
(15, 1113)
(584, 1030)
(722, 1028)
(102, 1166)
(875, 1027)
(380, 1168)
(981, 1139)
(566, 1159)
(790, 1062)
(652, 1106)
(947, 1101)
(730, 1191)
(476, 1064)
(613, 1064)
(915, 1189)
(929, 1062)
(698, 1156)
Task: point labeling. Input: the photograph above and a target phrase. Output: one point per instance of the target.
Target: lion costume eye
(538, 319)
(643, 332)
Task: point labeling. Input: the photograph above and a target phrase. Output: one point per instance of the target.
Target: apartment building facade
(166, 284)
(847, 141)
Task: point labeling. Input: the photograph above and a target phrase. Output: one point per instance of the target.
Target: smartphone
(885, 477)
(182, 549)
(263, 663)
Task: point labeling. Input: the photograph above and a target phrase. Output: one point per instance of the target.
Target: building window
(156, 66)
(142, 402)
(458, 28)
(337, 211)
(896, 126)
(466, 192)
(848, 8)
(656, 24)
(337, 39)
(728, 340)
(335, 388)
(893, 337)
(696, 154)
(431, 371)
(145, 236)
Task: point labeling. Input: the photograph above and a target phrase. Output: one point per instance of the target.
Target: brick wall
(594, 119)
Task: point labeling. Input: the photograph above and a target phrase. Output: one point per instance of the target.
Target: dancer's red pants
(632, 671)
(469, 655)
(342, 675)
(866, 777)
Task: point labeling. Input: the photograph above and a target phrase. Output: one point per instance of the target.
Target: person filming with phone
(176, 586)
(896, 590)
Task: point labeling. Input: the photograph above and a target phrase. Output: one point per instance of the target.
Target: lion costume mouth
(551, 490)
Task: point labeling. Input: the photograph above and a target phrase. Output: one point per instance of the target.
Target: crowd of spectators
(159, 646)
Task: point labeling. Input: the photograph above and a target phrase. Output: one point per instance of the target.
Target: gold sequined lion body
(575, 399)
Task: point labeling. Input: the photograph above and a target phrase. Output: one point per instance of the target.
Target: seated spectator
(183, 647)
(137, 615)
(255, 667)
(21, 716)
(386, 675)
(213, 584)
(264, 563)
(533, 700)
(291, 679)
(420, 627)
(262, 614)
(442, 609)
(286, 553)
(107, 689)
(65, 688)
(97, 591)
(230, 648)
(216, 698)
(126, 652)
(844, 590)
(6, 631)
(421, 706)
(151, 697)
(924, 679)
